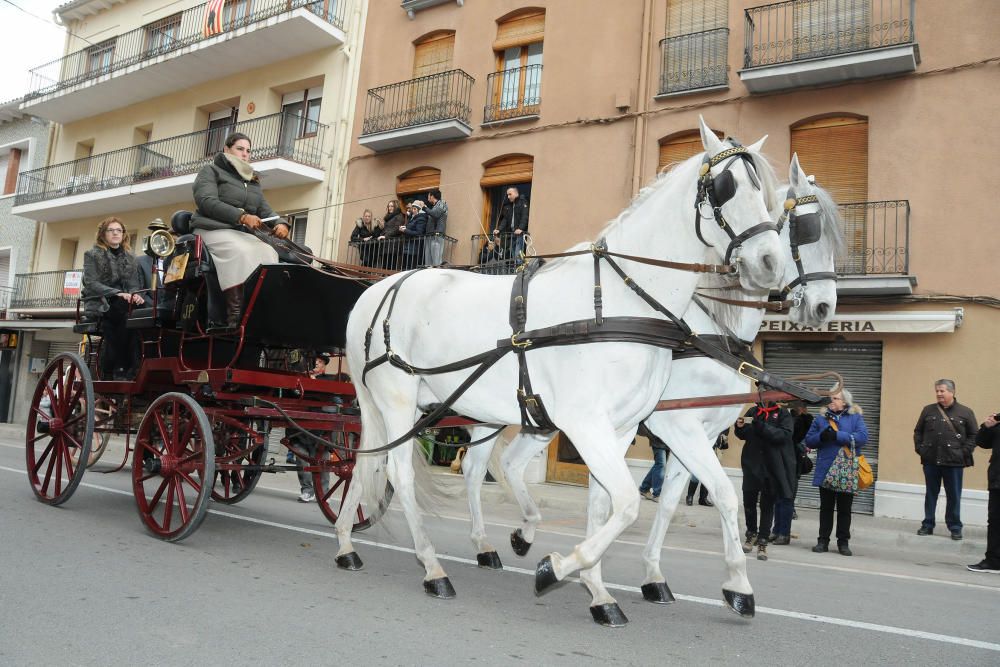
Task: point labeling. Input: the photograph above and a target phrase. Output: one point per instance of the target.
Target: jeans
(518, 248)
(751, 497)
(310, 447)
(433, 250)
(842, 501)
(653, 481)
(783, 508)
(952, 478)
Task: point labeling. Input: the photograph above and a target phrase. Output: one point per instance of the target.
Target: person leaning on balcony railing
(437, 224)
(366, 230)
(230, 202)
(110, 283)
(413, 231)
(512, 223)
(390, 240)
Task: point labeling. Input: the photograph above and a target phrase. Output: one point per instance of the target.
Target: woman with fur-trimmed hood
(840, 426)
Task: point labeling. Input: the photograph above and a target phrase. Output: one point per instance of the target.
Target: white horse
(812, 286)
(443, 316)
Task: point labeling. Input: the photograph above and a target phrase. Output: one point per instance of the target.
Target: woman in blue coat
(840, 426)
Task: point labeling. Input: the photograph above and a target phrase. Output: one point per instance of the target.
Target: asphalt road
(84, 584)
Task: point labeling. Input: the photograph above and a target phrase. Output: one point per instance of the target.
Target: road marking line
(549, 531)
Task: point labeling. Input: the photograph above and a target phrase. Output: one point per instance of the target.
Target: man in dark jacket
(437, 224)
(413, 233)
(988, 437)
(768, 462)
(512, 224)
(944, 437)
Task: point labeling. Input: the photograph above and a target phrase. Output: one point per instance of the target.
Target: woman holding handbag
(839, 435)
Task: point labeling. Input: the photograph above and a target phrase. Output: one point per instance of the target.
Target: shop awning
(36, 325)
(921, 321)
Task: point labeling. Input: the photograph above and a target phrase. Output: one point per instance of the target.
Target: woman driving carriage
(110, 280)
(231, 205)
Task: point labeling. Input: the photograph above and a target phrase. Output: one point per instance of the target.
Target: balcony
(49, 293)
(5, 296)
(877, 238)
(413, 6)
(694, 63)
(400, 254)
(287, 150)
(815, 42)
(513, 94)
(171, 55)
(497, 255)
(418, 111)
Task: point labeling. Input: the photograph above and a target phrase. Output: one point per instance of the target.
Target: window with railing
(695, 50)
(100, 56)
(301, 110)
(161, 36)
(514, 89)
(878, 237)
(429, 99)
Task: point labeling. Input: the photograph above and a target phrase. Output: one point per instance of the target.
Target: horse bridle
(802, 230)
(717, 190)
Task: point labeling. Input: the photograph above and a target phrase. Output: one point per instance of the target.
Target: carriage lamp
(159, 244)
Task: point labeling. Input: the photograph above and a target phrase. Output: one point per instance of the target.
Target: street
(85, 584)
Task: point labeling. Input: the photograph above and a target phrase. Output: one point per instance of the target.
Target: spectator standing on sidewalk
(840, 426)
(308, 445)
(437, 223)
(944, 437)
(652, 483)
(768, 462)
(784, 508)
(721, 442)
(988, 437)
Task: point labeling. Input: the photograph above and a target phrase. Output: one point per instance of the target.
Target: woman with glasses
(110, 283)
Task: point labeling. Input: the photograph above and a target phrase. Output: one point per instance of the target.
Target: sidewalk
(892, 542)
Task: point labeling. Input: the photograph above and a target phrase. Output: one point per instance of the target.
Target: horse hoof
(657, 592)
(350, 561)
(609, 615)
(545, 576)
(440, 588)
(518, 543)
(489, 560)
(741, 603)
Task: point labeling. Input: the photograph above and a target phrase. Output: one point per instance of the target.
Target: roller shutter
(860, 364)
(58, 347)
(508, 170)
(525, 28)
(418, 180)
(433, 54)
(680, 147)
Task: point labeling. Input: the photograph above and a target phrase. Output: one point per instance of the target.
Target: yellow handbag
(865, 475)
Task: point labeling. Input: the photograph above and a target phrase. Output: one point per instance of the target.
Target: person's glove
(828, 435)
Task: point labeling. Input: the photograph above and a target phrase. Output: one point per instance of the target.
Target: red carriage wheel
(330, 493)
(173, 466)
(60, 429)
(233, 445)
(104, 410)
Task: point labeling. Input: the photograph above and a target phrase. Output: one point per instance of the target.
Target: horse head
(735, 188)
(813, 237)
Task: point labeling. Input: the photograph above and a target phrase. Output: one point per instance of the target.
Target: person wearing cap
(413, 233)
(307, 492)
(145, 265)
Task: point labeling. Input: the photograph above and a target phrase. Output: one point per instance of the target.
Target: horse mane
(832, 223)
(731, 317)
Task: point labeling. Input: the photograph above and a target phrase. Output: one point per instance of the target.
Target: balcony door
(220, 125)
(429, 96)
(835, 150)
(516, 87)
(828, 27)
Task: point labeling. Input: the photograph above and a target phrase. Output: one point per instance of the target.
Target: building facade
(579, 107)
(145, 96)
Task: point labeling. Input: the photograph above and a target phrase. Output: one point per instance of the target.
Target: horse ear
(795, 175)
(755, 148)
(708, 138)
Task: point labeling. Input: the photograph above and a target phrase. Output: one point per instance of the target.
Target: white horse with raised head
(811, 239)
(595, 393)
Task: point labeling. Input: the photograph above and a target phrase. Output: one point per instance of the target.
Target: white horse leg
(474, 467)
(675, 481)
(603, 607)
(515, 460)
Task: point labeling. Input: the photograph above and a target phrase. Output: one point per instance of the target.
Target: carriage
(197, 416)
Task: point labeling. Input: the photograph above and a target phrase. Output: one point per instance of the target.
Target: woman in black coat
(110, 283)
(768, 463)
(231, 202)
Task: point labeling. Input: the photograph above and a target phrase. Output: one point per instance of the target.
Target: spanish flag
(213, 17)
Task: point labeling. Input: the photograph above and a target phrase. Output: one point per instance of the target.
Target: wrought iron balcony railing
(877, 236)
(47, 289)
(402, 253)
(693, 61)
(279, 135)
(785, 32)
(428, 99)
(498, 255)
(5, 296)
(513, 93)
(165, 36)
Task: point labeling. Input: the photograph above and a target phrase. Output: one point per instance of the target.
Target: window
(220, 125)
(823, 28)
(509, 171)
(300, 114)
(162, 35)
(515, 88)
(10, 166)
(434, 53)
(679, 147)
(695, 46)
(99, 57)
(235, 13)
(299, 222)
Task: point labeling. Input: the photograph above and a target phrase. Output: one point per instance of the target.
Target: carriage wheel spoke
(57, 479)
(70, 470)
(196, 486)
(186, 436)
(154, 501)
(75, 397)
(45, 453)
(52, 402)
(162, 428)
(168, 508)
(181, 500)
(48, 471)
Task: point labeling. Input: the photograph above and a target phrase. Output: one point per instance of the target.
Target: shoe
(821, 547)
(925, 531)
(795, 515)
(689, 501)
(984, 566)
(761, 552)
(748, 545)
(307, 496)
(772, 537)
(781, 540)
(705, 502)
(956, 535)
(648, 495)
(844, 549)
